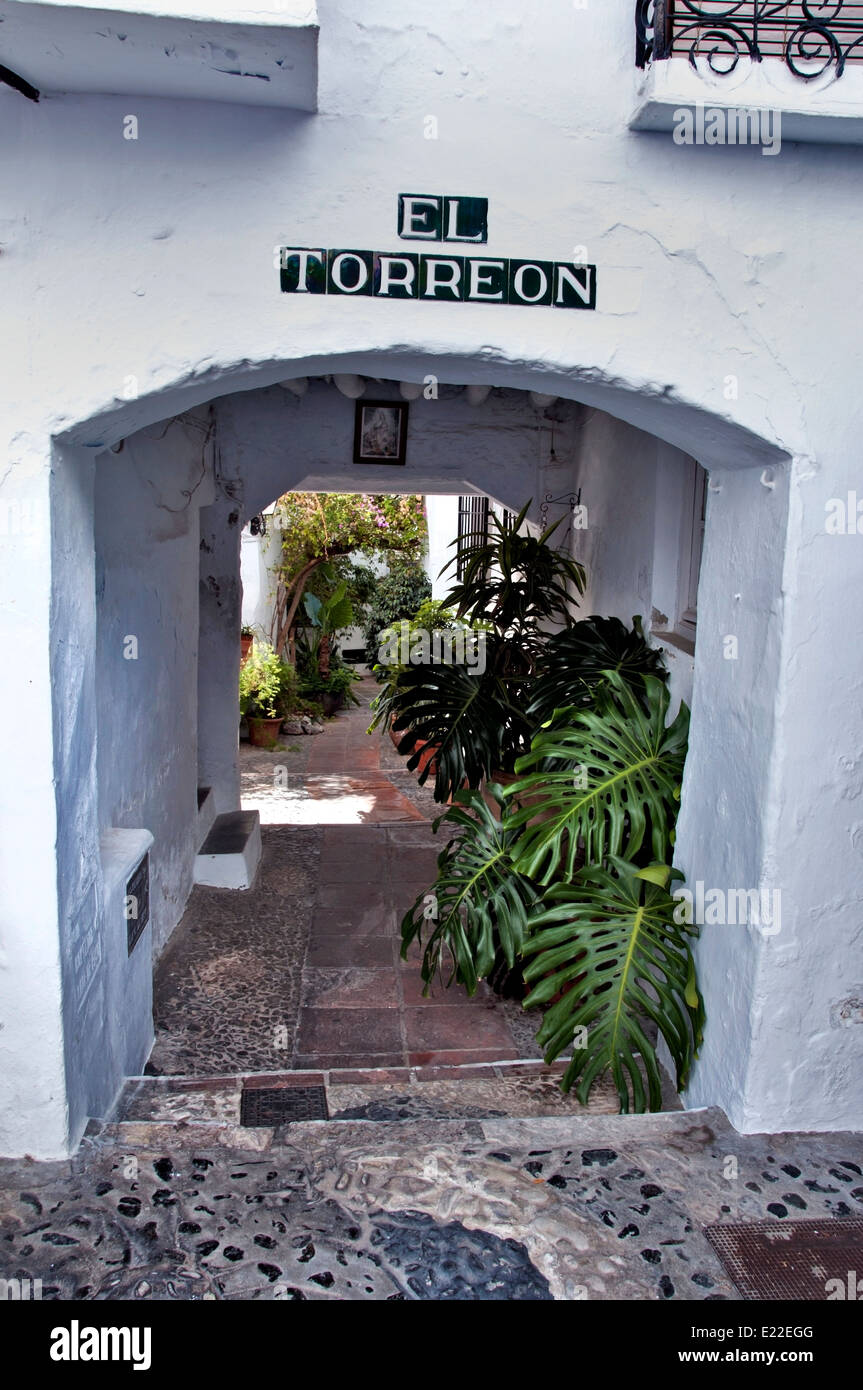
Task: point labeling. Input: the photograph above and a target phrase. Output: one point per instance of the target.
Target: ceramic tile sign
(438, 275)
(424, 217)
(137, 905)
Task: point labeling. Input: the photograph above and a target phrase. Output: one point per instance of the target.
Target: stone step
(523, 1090)
(178, 1127)
(231, 852)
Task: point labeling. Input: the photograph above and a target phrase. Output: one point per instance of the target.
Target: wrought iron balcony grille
(811, 36)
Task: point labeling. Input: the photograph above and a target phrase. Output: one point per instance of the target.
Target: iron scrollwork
(811, 36)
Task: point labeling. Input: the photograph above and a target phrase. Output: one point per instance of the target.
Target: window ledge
(205, 50)
(675, 639)
(825, 110)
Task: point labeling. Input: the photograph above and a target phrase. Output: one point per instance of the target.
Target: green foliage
(322, 525)
(572, 875)
(268, 684)
(322, 528)
(432, 616)
(606, 954)
(340, 681)
(513, 585)
(332, 612)
(478, 902)
(605, 782)
(473, 719)
(360, 580)
(517, 582)
(575, 660)
(398, 595)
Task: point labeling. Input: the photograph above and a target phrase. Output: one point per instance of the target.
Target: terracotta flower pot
(428, 756)
(245, 647)
(427, 750)
(264, 733)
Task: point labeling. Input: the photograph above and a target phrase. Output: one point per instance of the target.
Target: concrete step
(231, 852)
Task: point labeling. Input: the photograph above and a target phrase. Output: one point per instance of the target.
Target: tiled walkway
(303, 970)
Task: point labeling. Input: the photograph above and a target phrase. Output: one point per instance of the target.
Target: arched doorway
(237, 485)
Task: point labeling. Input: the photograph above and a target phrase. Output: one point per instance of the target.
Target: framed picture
(380, 431)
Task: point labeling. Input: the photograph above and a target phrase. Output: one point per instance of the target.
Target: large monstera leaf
(607, 782)
(576, 659)
(609, 946)
(477, 903)
(466, 715)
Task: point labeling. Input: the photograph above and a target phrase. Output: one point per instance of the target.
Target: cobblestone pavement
(594, 1207)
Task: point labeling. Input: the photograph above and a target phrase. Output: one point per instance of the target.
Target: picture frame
(380, 432)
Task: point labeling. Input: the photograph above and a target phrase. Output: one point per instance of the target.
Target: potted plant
(398, 644)
(247, 637)
(333, 690)
(514, 587)
(267, 687)
(581, 894)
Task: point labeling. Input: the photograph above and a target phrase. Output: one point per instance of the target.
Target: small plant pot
(428, 757)
(332, 703)
(264, 733)
(427, 751)
(245, 647)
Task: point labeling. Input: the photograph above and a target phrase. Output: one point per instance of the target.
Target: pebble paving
(593, 1207)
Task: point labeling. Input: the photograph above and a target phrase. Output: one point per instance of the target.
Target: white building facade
(175, 174)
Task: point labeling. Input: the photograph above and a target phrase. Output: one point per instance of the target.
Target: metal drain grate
(282, 1105)
(791, 1259)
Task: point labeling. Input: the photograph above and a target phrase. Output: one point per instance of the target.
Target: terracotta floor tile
(363, 918)
(401, 838)
(264, 1081)
(331, 1060)
(349, 988)
(349, 1032)
(361, 864)
(342, 839)
(452, 1027)
(382, 1076)
(411, 864)
(368, 894)
(440, 997)
(361, 760)
(457, 1057)
(363, 951)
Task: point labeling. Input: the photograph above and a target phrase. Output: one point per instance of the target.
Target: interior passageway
(303, 972)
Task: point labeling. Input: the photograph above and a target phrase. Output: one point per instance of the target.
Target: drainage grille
(282, 1105)
(791, 1259)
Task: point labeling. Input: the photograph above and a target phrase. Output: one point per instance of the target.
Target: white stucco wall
(258, 556)
(142, 275)
(442, 519)
(147, 552)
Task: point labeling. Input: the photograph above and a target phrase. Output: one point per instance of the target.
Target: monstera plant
(572, 880)
(608, 957)
(576, 659)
